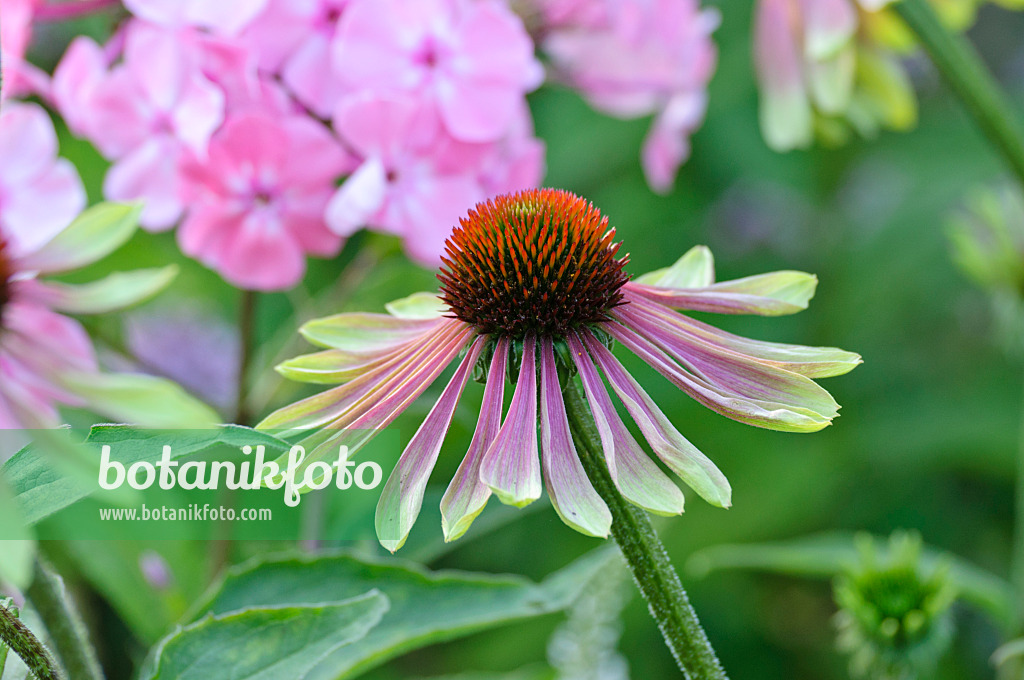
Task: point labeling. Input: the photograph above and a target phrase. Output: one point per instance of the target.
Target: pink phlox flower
(221, 16)
(472, 60)
(257, 199)
(414, 179)
(292, 38)
(645, 58)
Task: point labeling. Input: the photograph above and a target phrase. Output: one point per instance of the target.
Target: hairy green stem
(27, 646)
(967, 76)
(64, 624)
(652, 570)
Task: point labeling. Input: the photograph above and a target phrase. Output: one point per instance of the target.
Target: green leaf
(93, 235)
(426, 607)
(17, 553)
(140, 399)
(824, 556)
(41, 489)
(115, 292)
(266, 643)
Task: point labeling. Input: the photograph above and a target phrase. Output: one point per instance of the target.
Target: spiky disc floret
(538, 262)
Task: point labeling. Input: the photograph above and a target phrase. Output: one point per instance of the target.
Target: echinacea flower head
(532, 287)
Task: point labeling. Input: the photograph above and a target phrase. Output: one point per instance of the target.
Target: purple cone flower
(531, 287)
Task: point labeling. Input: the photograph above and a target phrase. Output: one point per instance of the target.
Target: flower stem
(967, 76)
(1017, 562)
(64, 624)
(246, 331)
(653, 572)
(27, 646)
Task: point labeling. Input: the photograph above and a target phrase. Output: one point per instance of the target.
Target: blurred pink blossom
(256, 201)
(143, 114)
(293, 39)
(472, 60)
(39, 192)
(642, 57)
(414, 181)
(19, 76)
(222, 16)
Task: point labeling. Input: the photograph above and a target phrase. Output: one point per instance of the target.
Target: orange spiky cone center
(540, 262)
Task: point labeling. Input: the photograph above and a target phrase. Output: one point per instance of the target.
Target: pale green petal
(361, 332)
(140, 400)
(93, 235)
(417, 306)
(789, 287)
(115, 292)
(329, 367)
(695, 269)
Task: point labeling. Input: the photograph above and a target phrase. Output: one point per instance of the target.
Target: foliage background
(930, 422)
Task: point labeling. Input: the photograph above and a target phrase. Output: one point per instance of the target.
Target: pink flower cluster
(236, 119)
(634, 58)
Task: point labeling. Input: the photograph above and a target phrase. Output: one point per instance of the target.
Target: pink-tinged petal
(695, 269)
(361, 332)
(208, 231)
(225, 16)
(159, 63)
(75, 79)
(667, 145)
(511, 466)
(682, 457)
(331, 367)
(637, 477)
(311, 233)
(250, 141)
(120, 117)
(773, 294)
(386, 401)
(785, 112)
(829, 25)
(755, 412)
(198, 113)
(93, 235)
(402, 496)
(115, 292)
(732, 372)
(466, 495)
(39, 210)
(329, 406)
(149, 174)
(379, 126)
(361, 197)
(813, 362)
(373, 40)
(572, 494)
(28, 144)
(263, 255)
(478, 111)
(50, 339)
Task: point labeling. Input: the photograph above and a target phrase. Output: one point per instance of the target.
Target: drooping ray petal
(682, 457)
(360, 332)
(572, 494)
(786, 113)
(773, 294)
(327, 406)
(511, 466)
(417, 307)
(402, 496)
(829, 26)
(466, 495)
(695, 269)
(94, 234)
(765, 414)
(332, 366)
(637, 477)
(813, 362)
(736, 373)
(116, 291)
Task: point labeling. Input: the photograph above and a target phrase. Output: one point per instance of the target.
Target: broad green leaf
(266, 643)
(93, 235)
(41, 489)
(115, 569)
(17, 553)
(115, 292)
(531, 672)
(426, 607)
(141, 399)
(824, 556)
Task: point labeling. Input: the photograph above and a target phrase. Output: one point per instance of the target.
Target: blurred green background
(929, 425)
